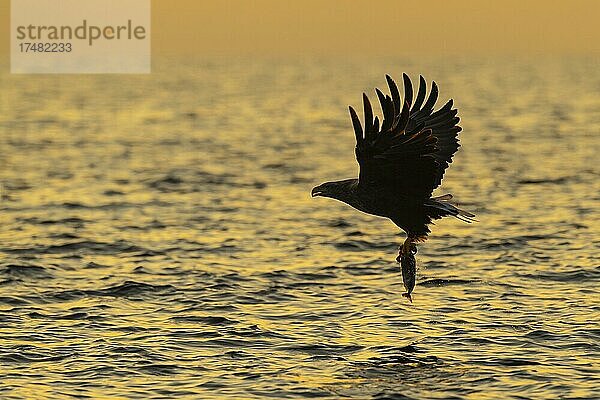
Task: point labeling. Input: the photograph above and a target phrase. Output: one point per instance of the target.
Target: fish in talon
(408, 262)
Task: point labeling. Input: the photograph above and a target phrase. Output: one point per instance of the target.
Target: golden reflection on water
(158, 237)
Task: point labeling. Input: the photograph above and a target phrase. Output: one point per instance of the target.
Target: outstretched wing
(443, 123)
(410, 151)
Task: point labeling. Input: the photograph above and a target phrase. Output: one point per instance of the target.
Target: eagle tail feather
(441, 207)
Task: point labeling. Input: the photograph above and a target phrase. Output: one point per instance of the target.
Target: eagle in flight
(402, 159)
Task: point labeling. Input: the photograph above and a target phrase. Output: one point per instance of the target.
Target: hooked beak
(316, 192)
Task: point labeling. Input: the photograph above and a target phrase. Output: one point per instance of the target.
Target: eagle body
(402, 160)
(410, 214)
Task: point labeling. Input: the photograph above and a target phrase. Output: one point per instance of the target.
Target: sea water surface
(158, 239)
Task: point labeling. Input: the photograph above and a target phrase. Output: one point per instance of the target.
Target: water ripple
(159, 239)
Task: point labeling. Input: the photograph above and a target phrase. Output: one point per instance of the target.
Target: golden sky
(356, 27)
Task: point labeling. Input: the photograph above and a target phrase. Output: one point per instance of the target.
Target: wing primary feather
(358, 132)
(404, 116)
(391, 114)
(420, 94)
(368, 116)
(408, 89)
(387, 109)
(447, 108)
(376, 125)
(395, 93)
(433, 95)
(381, 98)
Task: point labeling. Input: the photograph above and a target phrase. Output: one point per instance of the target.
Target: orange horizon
(361, 28)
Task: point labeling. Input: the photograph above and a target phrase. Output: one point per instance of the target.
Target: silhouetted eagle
(402, 160)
